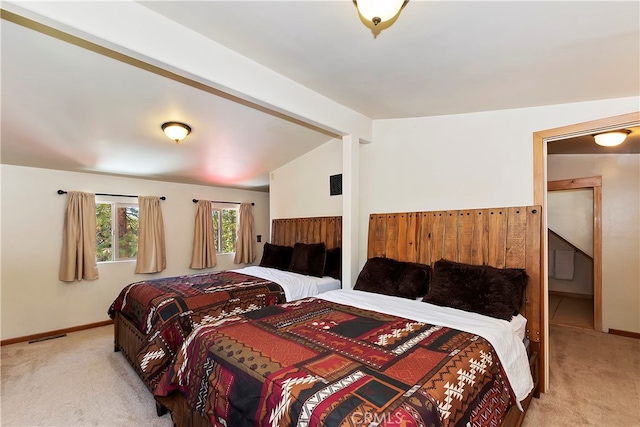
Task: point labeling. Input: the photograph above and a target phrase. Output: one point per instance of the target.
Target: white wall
(33, 299)
(570, 215)
(461, 161)
(469, 161)
(301, 188)
(582, 282)
(620, 230)
(430, 163)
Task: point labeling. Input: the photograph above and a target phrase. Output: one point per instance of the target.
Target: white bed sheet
(507, 344)
(518, 325)
(295, 286)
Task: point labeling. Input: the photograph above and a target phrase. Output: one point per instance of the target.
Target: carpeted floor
(570, 311)
(78, 380)
(594, 380)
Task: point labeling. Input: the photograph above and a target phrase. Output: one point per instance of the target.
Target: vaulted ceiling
(71, 105)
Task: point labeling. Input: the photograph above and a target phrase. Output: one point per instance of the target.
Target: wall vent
(335, 185)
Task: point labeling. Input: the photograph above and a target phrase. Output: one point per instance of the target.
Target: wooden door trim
(570, 184)
(540, 140)
(594, 183)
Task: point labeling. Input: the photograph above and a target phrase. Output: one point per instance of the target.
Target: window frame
(115, 238)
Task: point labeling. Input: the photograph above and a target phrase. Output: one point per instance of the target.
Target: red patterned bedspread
(313, 362)
(166, 310)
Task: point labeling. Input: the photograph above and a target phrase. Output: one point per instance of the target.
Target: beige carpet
(594, 380)
(79, 381)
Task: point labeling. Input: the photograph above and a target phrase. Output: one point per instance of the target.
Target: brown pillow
(390, 277)
(495, 292)
(308, 259)
(333, 263)
(276, 256)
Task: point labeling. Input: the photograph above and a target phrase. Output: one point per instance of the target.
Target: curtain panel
(203, 254)
(152, 252)
(245, 245)
(78, 258)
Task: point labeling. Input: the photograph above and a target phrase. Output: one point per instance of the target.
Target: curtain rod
(218, 201)
(113, 195)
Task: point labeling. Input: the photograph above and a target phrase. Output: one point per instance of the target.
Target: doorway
(540, 140)
(568, 308)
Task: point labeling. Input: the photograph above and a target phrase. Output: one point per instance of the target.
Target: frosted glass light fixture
(611, 139)
(377, 11)
(176, 131)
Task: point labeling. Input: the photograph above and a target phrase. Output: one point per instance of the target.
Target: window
(225, 226)
(116, 231)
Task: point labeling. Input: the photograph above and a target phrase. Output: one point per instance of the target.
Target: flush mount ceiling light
(611, 139)
(176, 131)
(377, 11)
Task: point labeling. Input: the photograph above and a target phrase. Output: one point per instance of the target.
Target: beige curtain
(204, 247)
(245, 245)
(78, 260)
(152, 253)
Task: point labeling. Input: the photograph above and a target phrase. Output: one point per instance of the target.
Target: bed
(152, 318)
(360, 357)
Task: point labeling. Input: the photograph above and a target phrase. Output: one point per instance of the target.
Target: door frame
(540, 140)
(594, 183)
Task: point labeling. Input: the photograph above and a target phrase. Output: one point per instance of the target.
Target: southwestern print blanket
(312, 362)
(166, 310)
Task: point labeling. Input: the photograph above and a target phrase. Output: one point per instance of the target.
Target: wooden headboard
(325, 229)
(500, 237)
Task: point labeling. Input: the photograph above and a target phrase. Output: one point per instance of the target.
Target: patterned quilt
(313, 362)
(166, 310)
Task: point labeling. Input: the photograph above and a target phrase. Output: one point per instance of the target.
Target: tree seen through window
(116, 231)
(225, 228)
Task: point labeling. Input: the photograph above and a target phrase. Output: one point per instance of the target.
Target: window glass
(216, 229)
(116, 231)
(103, 232)
(229, 229)
(225, 228)
(127, 222)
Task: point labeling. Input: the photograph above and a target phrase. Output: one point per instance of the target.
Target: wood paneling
(289, 231)
(391, 247)
(499, 237)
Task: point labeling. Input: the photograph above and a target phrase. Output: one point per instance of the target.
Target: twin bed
(418, 342)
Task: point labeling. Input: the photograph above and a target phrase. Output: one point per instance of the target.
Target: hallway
(567, 310)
